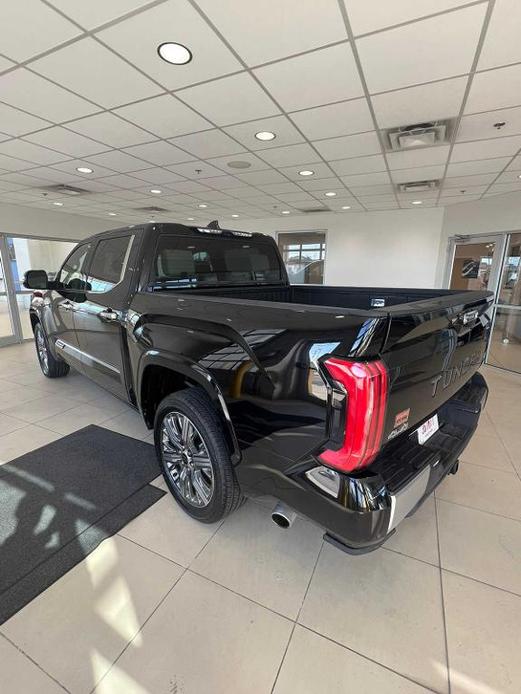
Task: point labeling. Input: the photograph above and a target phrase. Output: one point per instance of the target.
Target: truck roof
(182, 229)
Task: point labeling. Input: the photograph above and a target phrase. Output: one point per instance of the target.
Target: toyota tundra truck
(349, 405)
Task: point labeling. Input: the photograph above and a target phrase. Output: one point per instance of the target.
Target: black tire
(195, 405)
(51, 367)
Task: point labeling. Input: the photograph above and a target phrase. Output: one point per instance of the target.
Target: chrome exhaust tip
(283, 516)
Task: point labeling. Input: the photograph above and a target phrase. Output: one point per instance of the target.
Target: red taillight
(366, 385)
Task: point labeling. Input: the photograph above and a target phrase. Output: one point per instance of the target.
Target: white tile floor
(171, 606)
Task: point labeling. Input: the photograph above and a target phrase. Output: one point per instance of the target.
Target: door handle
(108, 315)
(67, 305)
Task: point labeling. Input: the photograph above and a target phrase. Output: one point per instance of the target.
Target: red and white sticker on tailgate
(427, 429)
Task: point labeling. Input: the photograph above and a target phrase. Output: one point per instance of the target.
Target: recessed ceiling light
(202, 205)
(152, 221)
(112, 214)
(330, 194)
(235, 215)
(174, 53)
(239, 164)
(265, 135)
(519, 176)
(156, 191)
(190, 219)
(83, 169)
(285, 211)
(417, 202)
(306, 172)
(58, 204)
(346, 207)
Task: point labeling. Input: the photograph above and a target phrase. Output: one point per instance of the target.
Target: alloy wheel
(41, 348)
(186, 459)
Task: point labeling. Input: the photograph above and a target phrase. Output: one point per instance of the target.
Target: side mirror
(36, 279)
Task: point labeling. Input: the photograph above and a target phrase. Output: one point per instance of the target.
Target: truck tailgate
(432, 348)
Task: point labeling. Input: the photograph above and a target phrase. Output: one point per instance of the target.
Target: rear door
(433, 347)
(101, 317)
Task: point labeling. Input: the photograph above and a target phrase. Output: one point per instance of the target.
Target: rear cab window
(188, 261)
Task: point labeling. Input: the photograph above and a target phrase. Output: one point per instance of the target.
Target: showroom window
(72, 274)
(108, 263)
(303, 254)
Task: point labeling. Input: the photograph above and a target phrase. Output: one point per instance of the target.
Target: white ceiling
(81, 84)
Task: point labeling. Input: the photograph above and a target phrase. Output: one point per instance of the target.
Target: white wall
(31, 221)
(397, 248)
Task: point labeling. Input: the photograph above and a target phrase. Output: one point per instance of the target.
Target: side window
(108, 263)
(72, 275)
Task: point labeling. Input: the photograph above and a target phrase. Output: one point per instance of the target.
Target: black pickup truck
(347, 404)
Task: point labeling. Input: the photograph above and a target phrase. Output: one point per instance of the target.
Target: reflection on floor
(505, 353)
(170, 605)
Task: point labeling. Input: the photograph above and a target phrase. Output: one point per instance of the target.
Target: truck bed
(358, 298)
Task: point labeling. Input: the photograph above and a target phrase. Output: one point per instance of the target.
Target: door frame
(12, 306)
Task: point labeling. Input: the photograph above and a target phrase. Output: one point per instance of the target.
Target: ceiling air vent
(419, 135)
(312, 210)
(417, 186)
(62, 189)
(151, 208)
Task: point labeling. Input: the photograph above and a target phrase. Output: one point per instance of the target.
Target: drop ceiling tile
(420, 173)
(420, 104)
(281, 126)
(212, 143)
(138, 37)
(15, 122)
(121, 181)
(431, 49)
(66, 142)
(359, 165)
(515, 164)
(349, 146)
(424, 156)
(467, 190)
(509, 177)
(501, 45)
(196, 170)
(30, 152)
(50, 174)
(157, 175)
(22, 24)
(505, 187)
(292, 155)
(320, 169)
(260, 177)
(372, 15)
(469, 181)
(377, 198)
(456, 200)
(372, 189)
(481, 125)
(380, 207)
(110, 130)
(322, 184)
(281, 28)
(165, 116)
(91, 69)
(17, 181)
(192, 187)
(32, 93)
(483, 166)
(296, 198)
(494, 89)
(344, 118)
(224, 182)
(280, 188)
(313, 79)
(368, 179)
(160, 153)
(5, 64)
(93, 14)
(223, 163)
(119, 161)
(230, 100)
(486, 149)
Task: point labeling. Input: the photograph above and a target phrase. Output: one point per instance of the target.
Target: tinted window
(108, 263)
(72, 274)
(189, 262)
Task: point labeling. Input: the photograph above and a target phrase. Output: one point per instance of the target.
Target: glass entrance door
(505, 344)
(8, 325)
(476, 263)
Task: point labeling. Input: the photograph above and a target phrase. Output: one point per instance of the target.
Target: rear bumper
(370, 505)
